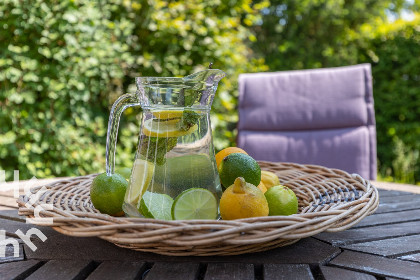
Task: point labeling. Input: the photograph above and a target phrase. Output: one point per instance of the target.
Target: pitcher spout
(208, 77)
(196, 90)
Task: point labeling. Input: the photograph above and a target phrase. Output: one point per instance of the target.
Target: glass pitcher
(175, 149)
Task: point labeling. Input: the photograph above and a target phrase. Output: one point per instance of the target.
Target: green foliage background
(63, 63)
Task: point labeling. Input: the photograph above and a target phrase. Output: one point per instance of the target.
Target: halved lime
(195, 203)
(156, 206)
(165, 129)
(140, 179)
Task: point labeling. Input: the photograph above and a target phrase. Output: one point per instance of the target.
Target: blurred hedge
(63, 63)
(394, 51)
(328, 33)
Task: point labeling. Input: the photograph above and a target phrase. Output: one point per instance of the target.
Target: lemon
(262, 187)
(195, 203)
(142, 175)
(242, 200)
(168, 114)
(168, 121)
(227, 151)
(281, 201)
(239, 165)
(107, 193)
(165, 129)
(269, 179)
(156, 206)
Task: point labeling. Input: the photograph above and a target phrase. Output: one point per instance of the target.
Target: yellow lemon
(269, 179)
(262, 187)
(242, 200)
(168, 114)
(140, 179)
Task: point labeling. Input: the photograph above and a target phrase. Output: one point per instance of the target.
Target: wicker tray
(329, 200)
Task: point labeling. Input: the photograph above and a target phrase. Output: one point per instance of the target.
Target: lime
(142, 175)
(107, 193)
(156, 206)
(124, 171)
(281, 201)
(239, 165)
(195, 203)
(165, 129)
(227, 151)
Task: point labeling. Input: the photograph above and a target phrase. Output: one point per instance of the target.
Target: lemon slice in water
(168, 114)
(140, 179)
(165, 129)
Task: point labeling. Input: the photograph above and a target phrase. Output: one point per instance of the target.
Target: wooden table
(385, 245)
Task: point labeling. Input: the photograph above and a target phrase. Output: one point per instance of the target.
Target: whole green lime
(107, 193)
(124, 171)
(239, 165)
(281, 201)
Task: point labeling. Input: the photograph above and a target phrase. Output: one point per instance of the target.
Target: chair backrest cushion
(320, 116)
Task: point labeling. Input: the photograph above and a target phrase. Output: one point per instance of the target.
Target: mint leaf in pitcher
(154, 149)
(189, 118)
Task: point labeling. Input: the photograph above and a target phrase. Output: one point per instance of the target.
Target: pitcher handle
(123, 102)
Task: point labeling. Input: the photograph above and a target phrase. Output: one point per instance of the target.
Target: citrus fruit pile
(160, 189)
(250, 191)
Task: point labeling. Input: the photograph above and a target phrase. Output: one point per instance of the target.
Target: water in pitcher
(174, 174)
(174, 155)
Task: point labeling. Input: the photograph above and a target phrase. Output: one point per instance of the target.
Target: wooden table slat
(63, 270)
(386, 193)
(413, 257)
(11, 214)
(287, 271)
(399, 206)
(10, 254)
(377, 265)
(169, 271)
(309, 250)
(9, 202)
(2, 207)
(389, 218)
(399, 199)
(389, 247)
(229, 271)
(359, 235)
(11, 226)
(334, 273)
(18, 270)
(117, 270)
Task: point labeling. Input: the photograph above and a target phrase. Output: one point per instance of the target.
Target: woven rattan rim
(329, 200)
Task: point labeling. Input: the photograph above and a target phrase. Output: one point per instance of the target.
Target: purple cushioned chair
(321, 116)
